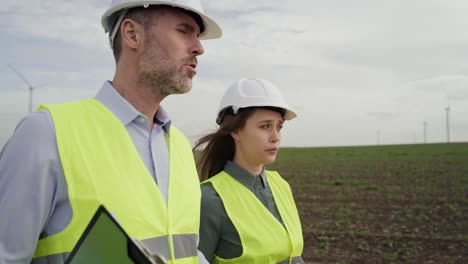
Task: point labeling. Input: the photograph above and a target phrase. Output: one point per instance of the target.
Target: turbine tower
(30, 87)
(425, 128)
(378, 137)
(447, 109)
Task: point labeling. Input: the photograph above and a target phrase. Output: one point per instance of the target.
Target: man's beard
(161, 73)
(164, 82)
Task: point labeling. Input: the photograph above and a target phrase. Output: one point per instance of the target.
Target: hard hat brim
(288, 115)
(212, 29)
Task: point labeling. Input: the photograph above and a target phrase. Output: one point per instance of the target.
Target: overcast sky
(360, 72)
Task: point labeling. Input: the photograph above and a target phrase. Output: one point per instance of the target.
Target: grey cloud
(356, 64)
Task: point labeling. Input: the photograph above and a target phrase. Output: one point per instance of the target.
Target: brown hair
(220, 146)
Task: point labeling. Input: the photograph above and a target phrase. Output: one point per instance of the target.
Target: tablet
(105, 241)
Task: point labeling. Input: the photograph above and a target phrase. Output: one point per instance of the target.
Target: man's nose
(197, 48)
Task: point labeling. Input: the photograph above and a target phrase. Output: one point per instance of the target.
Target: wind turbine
(425, 126)
(378, 137)
(447, 109)
(30, 87)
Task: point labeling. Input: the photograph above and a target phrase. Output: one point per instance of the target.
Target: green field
(381, 204)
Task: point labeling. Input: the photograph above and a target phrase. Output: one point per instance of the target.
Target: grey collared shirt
(218, 236)
(33, 192)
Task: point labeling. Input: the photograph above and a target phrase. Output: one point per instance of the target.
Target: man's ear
(132, 33)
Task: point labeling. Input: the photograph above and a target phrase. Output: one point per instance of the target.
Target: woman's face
(257, 143)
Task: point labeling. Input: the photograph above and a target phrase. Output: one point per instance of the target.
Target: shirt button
(141, 119)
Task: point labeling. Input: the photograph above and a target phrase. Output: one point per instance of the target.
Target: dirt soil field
(382, 204)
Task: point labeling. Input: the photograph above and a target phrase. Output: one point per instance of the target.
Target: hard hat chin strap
(116, 28)
(117, 25)
(235, 109)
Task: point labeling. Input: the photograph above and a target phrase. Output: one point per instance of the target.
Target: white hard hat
(253, 93)
(212, 30)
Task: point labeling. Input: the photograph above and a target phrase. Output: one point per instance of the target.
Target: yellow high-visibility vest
(263, 238)
(102, 166)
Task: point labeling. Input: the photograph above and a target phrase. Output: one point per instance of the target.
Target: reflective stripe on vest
(293, 261)
(264, 239)
(56, 258)
(184, 245)
(100, 163)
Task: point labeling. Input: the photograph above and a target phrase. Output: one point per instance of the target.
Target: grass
(381, 204)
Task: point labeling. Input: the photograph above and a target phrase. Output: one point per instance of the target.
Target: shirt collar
(242, 175)
(162, 119)
(123, 110)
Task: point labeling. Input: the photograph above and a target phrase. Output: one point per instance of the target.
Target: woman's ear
(235, 135)
(132, 33)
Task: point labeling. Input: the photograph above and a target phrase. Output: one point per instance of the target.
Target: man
(118, 149)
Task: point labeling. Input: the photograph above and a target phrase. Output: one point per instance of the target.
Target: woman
(248, 214)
